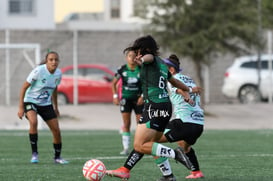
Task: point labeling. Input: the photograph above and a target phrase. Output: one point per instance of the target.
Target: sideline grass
(223, 155)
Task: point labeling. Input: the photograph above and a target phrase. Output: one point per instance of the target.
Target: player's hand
(20, 113)
(116, 101)
(197, 89)
(140, 100)
(138, 59)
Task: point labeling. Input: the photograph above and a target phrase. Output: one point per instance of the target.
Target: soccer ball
(94, 170)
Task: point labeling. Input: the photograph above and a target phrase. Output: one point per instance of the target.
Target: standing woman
(38, 95)
(130, 98)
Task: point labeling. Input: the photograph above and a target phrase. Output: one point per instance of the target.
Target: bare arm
(23, 90)
(186, 96)
(144, 59)
(176, 83)
(115, 91)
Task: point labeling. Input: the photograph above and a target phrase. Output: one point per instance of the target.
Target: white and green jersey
(42, 86)
(183, 110)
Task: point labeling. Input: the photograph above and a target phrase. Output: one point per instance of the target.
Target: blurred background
(208, 36)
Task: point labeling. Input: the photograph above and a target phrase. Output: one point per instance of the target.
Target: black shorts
(46, 112)
(188, 132)
(127, 105)
(156, 115)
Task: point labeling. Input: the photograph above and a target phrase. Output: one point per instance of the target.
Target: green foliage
(223, 155)
(204, 28)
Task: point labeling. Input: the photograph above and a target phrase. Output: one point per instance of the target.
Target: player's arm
(115, 90)
(23, 90)
(55, 101)
(148, 58)
(186, 95)
(178, 84)
(140, 100)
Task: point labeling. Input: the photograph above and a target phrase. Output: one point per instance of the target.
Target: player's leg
(49, 116)
(195, 172)
(33, 134)
(165, 168)
(173, 132)
(133, 158)
(186, 135)
(126, 107)
(126, 133)
(57, 140)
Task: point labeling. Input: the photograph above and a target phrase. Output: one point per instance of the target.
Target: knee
(138, 147)
(56, 132)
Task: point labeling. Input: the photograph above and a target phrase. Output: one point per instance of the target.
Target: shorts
(156, 115)
(46, 112)
(177, 130)
(127, 105)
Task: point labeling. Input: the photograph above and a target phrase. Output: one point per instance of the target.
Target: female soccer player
(130, 98)
(188, 125)
(157, 108)
(38, 95)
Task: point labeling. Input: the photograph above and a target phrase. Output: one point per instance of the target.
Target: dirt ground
(107, 116)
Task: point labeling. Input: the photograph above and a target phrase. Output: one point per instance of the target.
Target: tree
(200, 29)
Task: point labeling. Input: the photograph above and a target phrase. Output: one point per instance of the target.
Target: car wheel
(249, 94)
(62, 100)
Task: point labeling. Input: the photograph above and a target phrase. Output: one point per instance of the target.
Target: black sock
(33, 138)
(58, 150)
(132, 159)
(193, 159)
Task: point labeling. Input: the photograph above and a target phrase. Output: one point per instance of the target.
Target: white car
(241, 79)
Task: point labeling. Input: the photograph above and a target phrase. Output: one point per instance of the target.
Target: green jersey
(131, 84)
(154, 78)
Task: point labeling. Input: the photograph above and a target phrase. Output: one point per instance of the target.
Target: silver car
(241, 79)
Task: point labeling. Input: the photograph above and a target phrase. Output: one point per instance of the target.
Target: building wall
(43, 18)
(64, 7)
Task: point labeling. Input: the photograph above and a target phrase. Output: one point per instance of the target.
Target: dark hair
(125, 51)
(173, 61)
(48, 53)
(146, 45)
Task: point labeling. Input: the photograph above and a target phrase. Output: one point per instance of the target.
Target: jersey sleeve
(119, 72)
(33, 76)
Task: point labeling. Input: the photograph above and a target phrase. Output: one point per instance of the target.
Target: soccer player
(130, 96)
(38, 95)
(157, 108)
(188, 125)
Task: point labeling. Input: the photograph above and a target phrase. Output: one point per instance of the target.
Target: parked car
(241, 79)
(94, 84)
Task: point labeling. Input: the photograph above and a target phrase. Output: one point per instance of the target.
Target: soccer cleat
(168, 178)
(181, 157)
(34, 158)
(124, 152)
(121, 172)
(60, 161)
(195, 174)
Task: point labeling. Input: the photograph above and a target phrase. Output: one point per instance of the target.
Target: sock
(132, 159)
(126, 140)
(33, 138)
(164, 166)
(193, 159)
(162, 151)
(58, 149)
